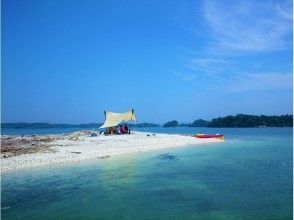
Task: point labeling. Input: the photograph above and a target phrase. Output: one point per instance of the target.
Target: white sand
(98, 147)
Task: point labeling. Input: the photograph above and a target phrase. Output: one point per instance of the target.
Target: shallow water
(247, 177)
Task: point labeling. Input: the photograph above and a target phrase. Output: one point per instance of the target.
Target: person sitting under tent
(113, 119)
(124, 129)
(127, 129)
(110, 130)
(120, 130)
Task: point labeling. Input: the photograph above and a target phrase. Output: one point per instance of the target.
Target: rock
(6, 155)
(75, 152)
(104, 157)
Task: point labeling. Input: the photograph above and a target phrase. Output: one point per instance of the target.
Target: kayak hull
(220, 136)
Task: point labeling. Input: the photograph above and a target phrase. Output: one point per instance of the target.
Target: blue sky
(68, 61)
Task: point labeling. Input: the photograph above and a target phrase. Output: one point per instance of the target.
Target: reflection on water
(242, 178)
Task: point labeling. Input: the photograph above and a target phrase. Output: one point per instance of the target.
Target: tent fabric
(112, 119)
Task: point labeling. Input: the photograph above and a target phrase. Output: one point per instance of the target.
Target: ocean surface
(249, 176)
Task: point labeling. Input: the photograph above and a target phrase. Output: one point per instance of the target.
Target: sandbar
(28, 151)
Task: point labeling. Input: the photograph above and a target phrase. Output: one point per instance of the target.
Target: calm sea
(249, 176)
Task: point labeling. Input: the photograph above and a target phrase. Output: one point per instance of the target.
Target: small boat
(220, 136)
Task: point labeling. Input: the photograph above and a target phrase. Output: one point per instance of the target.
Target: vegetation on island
(199, 123)
(246, 121)
(172, 123)
(237, 121)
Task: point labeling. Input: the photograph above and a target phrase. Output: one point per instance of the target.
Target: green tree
(172, 123)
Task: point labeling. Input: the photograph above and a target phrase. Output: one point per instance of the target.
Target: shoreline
(31, 151)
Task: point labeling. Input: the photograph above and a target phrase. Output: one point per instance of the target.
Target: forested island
(252, 121)
(237, 121)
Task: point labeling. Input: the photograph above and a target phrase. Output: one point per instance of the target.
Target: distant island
(38, 125)
(47, 125)
(173, 123)
(237, 121)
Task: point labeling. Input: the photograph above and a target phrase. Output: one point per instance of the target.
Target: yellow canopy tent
(112, 119)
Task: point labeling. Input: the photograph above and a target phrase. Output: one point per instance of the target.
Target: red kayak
(220, 136)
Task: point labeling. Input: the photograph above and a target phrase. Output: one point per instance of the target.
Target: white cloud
(248, 26)
(257, 82)
(211, 66)
(241, 28)
(285, 9)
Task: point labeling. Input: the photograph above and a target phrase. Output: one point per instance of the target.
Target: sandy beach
(19, 152)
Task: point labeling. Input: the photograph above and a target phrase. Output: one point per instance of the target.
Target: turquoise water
(247, 177)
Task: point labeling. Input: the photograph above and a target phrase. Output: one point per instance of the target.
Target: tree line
(239, 121)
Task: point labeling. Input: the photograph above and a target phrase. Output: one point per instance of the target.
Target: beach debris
(27, 144)
(9, 151)
(76, 152)
(104, 157)
(149, 135)
(17, 145)
(6, 155)
(74, 138)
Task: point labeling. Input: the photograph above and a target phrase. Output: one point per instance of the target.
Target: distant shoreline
(237, 121)
(132, 126)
